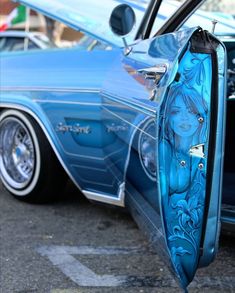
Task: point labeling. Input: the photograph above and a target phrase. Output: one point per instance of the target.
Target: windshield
(166, 10)
(222, 11)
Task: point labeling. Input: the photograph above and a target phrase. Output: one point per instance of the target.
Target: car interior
(229, 162)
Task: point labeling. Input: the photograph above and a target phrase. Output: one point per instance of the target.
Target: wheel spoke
(17, 153)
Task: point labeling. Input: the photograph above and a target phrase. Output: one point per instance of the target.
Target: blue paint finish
(81, 153)
(107, 133)
(184, 175)
(59, 68)
(132, 85)
(80, 101)
(182, 201)
(22, 101)
(84, 152)
(110, 125)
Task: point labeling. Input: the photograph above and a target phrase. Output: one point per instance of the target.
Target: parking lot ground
(73, 246)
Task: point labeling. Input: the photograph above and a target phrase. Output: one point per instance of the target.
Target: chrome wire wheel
(29, 169)
(19, 153)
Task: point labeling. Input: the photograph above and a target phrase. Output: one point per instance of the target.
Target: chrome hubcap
(17, 154)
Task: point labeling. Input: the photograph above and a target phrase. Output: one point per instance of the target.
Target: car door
(165, 103)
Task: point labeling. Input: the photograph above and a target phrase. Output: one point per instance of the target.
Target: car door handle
(154, 73)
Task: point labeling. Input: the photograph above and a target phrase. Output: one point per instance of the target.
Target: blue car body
(118, 124)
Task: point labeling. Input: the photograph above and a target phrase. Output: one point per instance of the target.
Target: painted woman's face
(182, 120)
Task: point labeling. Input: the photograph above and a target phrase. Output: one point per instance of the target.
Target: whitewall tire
(28, 167)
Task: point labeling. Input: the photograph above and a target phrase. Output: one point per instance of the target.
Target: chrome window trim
(51, 89)
(65, 102)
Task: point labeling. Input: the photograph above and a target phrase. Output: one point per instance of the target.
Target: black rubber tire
(47, 179)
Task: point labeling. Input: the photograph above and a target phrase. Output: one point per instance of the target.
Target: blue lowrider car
(141, 126)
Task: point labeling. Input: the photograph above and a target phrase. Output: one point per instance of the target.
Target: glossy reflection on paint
(183, 183)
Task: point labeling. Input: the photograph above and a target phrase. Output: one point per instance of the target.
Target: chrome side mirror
(122, 21)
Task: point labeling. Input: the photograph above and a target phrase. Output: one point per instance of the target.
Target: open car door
(166, 99)
(163, 105)
(190, 141)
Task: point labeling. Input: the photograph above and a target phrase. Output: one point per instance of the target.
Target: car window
(15, 44)
(32, 46)
(166, 10)
(88, 43)
(12, 44)
(221, 11)
(45, 40)
(101, 46)
(85, 41)
(2, 43)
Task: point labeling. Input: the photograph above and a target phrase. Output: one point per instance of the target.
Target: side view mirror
(122, 20)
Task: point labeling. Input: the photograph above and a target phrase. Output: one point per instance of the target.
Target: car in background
(141, 125)
(13, 40)
(88, 43)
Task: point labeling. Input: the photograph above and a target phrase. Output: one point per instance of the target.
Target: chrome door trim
(41, 101)
(50, 89)
(118, 201)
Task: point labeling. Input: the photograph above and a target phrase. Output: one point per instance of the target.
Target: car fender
(37, 114)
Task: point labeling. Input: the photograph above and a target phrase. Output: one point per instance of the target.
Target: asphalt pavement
(75, 246)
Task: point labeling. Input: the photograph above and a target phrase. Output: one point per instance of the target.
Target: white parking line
(62, 257)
